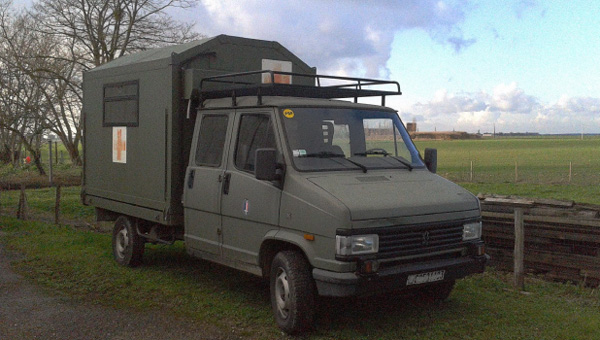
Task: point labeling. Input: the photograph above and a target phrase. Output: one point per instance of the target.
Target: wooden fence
(562, 239)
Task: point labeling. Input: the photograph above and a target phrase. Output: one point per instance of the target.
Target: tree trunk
(37, 161)
(73, 150)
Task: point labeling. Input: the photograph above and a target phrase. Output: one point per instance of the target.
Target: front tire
(292, 292)
(127, 245)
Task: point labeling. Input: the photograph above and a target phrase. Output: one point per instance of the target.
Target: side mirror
(265, 168)
(431, 160)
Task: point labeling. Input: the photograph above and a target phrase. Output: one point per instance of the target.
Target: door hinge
(226, 180)
(191, 179)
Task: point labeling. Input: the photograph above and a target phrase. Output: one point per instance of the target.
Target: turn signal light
(309, 237)
(480, 250)
(369, 267)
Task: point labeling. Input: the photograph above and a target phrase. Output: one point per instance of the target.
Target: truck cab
(323, 197)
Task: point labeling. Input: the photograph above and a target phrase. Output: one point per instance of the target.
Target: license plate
(417, 279)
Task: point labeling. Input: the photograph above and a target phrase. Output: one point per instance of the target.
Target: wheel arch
(278, 241)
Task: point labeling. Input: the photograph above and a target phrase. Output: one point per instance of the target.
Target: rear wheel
(292, 292)
(128, 246)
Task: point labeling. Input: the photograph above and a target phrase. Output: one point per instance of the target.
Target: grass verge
(79, 262)
(41, 202)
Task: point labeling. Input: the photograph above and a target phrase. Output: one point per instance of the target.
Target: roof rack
(268, 83)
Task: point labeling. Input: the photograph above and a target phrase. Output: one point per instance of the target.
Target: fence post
(519, 279)
(471, 173)
(50, 161)
(57, 206)
(21, 211)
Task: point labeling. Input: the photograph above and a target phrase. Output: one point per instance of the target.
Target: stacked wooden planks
(562, 238)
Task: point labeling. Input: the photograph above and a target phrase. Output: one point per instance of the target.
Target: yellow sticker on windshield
(287, 113)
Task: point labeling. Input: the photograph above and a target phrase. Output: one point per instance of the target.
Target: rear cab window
(211, 140)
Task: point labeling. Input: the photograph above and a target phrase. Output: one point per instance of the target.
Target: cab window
(255, 132)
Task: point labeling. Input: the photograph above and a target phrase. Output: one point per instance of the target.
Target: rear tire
(292, 292)
(127, 245)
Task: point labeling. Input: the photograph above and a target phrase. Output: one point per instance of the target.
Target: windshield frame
(416, 161)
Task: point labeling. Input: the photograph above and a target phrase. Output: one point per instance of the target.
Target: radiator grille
(418, 240)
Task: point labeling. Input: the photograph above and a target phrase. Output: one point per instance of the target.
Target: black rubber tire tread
(135, 249)
(302, 291)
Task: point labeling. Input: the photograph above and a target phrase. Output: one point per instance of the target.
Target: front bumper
(395, 278)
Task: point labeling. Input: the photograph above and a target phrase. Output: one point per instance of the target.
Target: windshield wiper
(404, 162)
(333, 156)
(378, 151)
(364, 168)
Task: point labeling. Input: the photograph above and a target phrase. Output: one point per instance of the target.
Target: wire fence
(578, 173)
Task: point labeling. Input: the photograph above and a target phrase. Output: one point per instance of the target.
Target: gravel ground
(29, 312)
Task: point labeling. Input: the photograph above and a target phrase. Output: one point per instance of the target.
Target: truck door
(206, 181)
(250, 207)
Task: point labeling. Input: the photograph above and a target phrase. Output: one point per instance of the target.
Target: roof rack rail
(269, 83)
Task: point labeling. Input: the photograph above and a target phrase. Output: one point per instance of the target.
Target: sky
(512, 65)
(516, 65)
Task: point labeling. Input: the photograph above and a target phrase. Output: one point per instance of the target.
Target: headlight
(472, 231)
(356, 245)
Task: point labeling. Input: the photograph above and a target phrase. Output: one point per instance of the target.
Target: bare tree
(82, 34)
(45, 50)
(108, 29)
(20, 98)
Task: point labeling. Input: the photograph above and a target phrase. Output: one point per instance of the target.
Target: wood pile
(562, 238)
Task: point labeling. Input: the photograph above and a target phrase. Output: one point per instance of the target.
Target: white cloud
(510, 98)
(509, 109)
(349, 36)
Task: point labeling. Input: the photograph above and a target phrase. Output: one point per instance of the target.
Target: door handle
(190, 182)
(226, 180)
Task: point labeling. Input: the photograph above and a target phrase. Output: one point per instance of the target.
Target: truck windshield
(323, 139)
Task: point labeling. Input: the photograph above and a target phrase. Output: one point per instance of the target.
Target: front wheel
(292, 292)
(128, 246)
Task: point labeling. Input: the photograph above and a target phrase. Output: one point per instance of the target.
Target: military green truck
(241, 150)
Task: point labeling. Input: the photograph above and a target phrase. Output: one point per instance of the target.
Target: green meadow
(77, 261)
(545, 167)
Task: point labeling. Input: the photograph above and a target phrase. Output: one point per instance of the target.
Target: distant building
(444, 135)
(411, 127)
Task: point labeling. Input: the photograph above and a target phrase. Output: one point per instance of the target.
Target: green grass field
(538, 160)
(78, 262)
(542, 166)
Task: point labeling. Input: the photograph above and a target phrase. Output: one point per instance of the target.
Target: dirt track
(28, 312)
